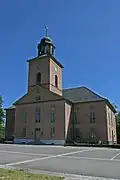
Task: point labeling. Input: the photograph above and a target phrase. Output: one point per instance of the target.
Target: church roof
(83, 94)
(10, 107)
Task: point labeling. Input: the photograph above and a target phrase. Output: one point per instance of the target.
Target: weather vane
(46, 31)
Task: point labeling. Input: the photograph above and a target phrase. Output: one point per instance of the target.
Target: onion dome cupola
(46, 46)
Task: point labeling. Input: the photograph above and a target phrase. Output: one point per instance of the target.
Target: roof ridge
(86, 89)
(74, 88)
(95, 93)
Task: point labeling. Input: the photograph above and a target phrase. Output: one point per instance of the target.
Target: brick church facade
(49, 114)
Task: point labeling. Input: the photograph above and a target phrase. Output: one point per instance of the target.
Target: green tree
(2, 115)
(118, 125)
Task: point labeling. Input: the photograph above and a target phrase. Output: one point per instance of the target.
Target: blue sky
(87, 38)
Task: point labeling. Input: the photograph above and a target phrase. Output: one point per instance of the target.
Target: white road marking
(89, 178)
(22, 153)
(49, 157)
(88, 158)
(113, 158)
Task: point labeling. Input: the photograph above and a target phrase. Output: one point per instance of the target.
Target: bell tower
(45, 70)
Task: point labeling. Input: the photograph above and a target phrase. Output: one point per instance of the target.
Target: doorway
(37, 134)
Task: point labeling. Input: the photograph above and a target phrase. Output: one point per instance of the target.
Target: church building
(49, 114)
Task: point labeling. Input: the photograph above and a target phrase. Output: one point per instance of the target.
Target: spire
(46, 31)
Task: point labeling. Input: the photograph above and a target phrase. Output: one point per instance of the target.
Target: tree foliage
(1, 117)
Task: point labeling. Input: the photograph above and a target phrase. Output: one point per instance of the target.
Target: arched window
(56, 81)
(38, 78)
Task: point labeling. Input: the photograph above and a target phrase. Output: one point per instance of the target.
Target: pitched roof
(11, 107)
(81, 94)
(45, 96)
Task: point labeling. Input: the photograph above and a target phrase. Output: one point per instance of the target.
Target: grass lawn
(21, 175)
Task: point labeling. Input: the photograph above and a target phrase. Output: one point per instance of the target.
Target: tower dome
(46, 45)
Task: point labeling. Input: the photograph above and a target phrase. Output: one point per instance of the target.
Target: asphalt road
(71, 162)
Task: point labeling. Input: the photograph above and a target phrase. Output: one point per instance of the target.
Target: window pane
(91, 120)
(56, 81)
(37, 114)
(24, 116)
(37, 117)
(52, 131)
(92, 117)
(37, 98)
(52, 117)
(38, 78)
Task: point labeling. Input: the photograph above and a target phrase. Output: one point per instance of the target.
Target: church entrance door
(37, 133)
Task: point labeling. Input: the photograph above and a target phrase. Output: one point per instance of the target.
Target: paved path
(72, 162)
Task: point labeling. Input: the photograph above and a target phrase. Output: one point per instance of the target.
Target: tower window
(38, 78)
(56, 81)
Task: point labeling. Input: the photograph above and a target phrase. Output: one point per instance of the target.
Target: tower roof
(47, 38)
(46, 45)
